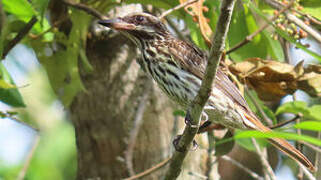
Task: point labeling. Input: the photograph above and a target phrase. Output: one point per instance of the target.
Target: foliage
(62, 54)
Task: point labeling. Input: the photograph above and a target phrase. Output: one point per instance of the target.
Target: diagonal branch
(85, 8)
(241, 166)
(250, 37)
(196, 107)
(176, 8)
(277, 5)
(24, 31)
(266, 166)
(138, 121)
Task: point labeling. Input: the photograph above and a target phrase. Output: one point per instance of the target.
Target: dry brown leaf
(196, 10)
(272, 80)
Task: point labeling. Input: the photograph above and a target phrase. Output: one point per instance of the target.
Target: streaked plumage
(178, 68)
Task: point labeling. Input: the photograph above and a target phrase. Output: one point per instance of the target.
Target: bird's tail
(281, 144)
(292, 152)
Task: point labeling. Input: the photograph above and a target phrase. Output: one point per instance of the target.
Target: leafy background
(37, 85)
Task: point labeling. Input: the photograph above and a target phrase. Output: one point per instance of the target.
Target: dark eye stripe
(140, 18)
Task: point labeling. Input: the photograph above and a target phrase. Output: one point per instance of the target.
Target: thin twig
(198, 175)
(22, 33)
(286, 50)
(196, 107)
(315, 148)
(298, 145)
(210, 155)
(174, 27)
(241, 166)
(85, 8)
(317, 156)
(10, 116)
(295, 20)
(150, 170)
(265, 163)
(281, 124)
(138, 121)
(311, 18)
(176, 8)
(250, 37)
(258, 107)
(307, 172)
(24, 169)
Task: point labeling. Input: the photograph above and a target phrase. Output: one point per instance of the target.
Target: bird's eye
(140, 18)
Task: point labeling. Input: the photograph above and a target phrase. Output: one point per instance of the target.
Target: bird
(178, 67)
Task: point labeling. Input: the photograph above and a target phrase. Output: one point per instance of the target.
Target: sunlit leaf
(282, 33)
(274, 134)
(295, 107)
(20, 8)
(309, 125)
(315, 112)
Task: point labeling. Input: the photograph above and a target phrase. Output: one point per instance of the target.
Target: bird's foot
(182, 149)
(188, 121)
(209, 126)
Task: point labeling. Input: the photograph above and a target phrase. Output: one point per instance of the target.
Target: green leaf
(274, 134)
(282, 33)
(314, 11)
(274, 47)
(294, 107)
(41, 6)
(248, 144)
(309, 125)
(251, 24)
(238, 31)
(225, 148)
(315, 112)
(9, 94)
(179, 113)
(195, 32)
(22, 9)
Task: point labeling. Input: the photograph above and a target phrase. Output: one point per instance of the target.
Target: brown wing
(193, 60)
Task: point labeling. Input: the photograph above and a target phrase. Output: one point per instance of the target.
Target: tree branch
(24, 169)
(264, 161)
(85, 8)
(196, 107)
(150, 170)
(138, 121)
(241, 166)
(176, 8)
(294, 19)
(250, 37)
(22, 33)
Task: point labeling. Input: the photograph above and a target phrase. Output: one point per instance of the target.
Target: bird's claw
(182, 149)
(188, 121)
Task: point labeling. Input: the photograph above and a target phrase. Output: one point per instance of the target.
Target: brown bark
(104, 114)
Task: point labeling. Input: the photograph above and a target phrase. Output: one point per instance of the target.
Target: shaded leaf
(9, 94)
(225, 148)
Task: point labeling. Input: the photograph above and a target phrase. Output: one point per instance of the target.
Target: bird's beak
(117, 24)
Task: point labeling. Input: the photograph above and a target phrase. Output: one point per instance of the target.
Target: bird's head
(139, 26)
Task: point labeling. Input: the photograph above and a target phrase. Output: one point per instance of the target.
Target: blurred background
(24, 150)
(37, 139)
